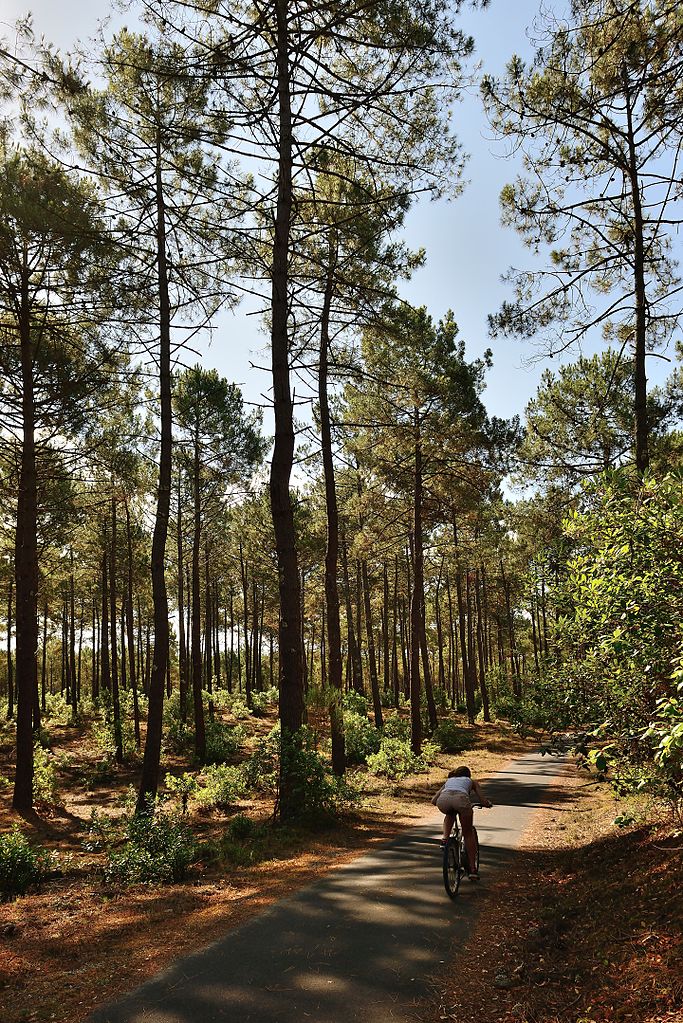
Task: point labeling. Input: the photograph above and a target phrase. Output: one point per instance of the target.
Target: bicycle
(455, 859)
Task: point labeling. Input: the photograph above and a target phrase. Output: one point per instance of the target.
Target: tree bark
(152, 755)
(197, 673)
(26, 565)
(116, 705)
(642, 428)
(372, 661)
(291, 703)
(182, 653)
(10, 662)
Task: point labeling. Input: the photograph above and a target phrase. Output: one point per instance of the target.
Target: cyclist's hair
(460, 772)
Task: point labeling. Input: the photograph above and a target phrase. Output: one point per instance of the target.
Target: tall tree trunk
(464, 649)
(511, 632)
(481, 650)
(81, 625)
(43, 669)
(386, 666)
(416, 612)
(105, 670)
(372, 661)
(26, 565)
(453, 669)
(642, 427)
(197, 674)
(10, 661)
(116, 705)
(208, 632)
(95, 680)
(291, 654)
(152, 755)
(124, 662)
(354, 652)
(245, 606)
(130, 625)
(72, 639)
(439, 637)
(182, 653)
(232, 640)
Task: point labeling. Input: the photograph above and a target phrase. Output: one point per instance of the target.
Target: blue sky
(467, 249)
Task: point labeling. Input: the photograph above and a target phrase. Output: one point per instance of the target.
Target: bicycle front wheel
(452, 872)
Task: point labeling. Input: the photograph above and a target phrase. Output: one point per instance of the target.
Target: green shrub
(182, 786)
(244, 843)
(315, 794)
(260, 702)
(57, 710)
(239, 709)
(450, 737)
(243, 828)
(178, 733)
(21, 865)
(103, 730)
(355, 702)
(45, 791)
(222, 741)
(221, 786)
(395, 759)
(159, 848)
(361, 737)
(262, 769)
(396, 727)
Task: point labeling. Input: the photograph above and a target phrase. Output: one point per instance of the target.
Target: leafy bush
(355, 702)
(244, 843)
(450, 737)
(159, 848)
(260, 702)
(243, 828)
(396, 727)
(57, 710)
(361, 737)
(21, 865)
(395, 759)
(315, 794)
(262, 769)
(45, 790)
(101, 834)
(222, 741)
(222, 786)
(182, 786)
(178, 733)
(103, 730)
(239, 709)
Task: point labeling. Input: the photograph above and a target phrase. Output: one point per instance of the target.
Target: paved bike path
(357, 946)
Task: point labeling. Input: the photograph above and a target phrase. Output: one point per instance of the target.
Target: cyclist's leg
(448, 822)
(466, 819)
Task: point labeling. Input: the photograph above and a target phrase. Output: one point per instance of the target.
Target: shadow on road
(356, 946)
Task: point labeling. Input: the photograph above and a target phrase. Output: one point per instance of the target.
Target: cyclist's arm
(476, 789)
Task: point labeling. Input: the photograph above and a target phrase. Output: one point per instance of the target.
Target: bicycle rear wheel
(452, 870)
(464, 857)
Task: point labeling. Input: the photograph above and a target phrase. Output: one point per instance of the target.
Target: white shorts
(453, 802)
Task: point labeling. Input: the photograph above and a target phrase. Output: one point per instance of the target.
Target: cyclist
(455, 797)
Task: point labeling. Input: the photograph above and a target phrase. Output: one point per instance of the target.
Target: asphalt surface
(357, 946)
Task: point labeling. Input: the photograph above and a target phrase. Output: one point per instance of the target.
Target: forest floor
(588, 922)
(77, 942)
(587, 925)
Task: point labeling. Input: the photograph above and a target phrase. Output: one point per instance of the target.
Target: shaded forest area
(220, 616)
